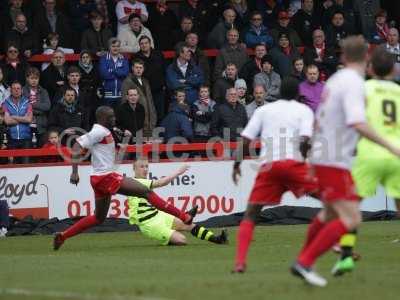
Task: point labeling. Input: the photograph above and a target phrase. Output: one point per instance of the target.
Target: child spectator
(53, 142)
(40, 101)
(201, 112)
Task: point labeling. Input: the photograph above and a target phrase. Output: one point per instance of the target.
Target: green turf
(128, 266)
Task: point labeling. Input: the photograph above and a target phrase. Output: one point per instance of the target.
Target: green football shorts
(159, 227)
(369, 173)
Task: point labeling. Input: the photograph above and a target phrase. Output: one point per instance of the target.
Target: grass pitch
(128, 266)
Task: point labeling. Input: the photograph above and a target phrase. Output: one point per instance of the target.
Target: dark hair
(32, 71)
(137, 61)
(144, 37)
(69, 89)
(256, 13)
(382, 62)
(51, 36)
(133, 16)
(95, 14)
(73, 69)
(297, 58)
(203, 86)
(289, 88)
(310, 66)
(179, 91)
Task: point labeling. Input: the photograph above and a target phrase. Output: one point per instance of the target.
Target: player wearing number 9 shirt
(159, 225)
(105, 181)
(374, 164)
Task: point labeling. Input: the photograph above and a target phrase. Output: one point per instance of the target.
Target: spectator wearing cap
(284, 26)
(179, 34)
(311, 89)
(23, 37)
(198, 57)
(259, 100)
(52, 20)
(125, 8)
(95, 38)
(321, 55)
(14, 66)
(130, 37)
(154, 72)
(225, 82)
(182, 73)
(337, 30)
(257, 33)
(162, 21)
(232, 52)
(270, 80)
(306, 20)
(113, 69)
(218, 36)
(283, 54)
(380, 34)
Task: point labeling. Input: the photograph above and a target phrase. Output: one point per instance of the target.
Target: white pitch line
(72, 295)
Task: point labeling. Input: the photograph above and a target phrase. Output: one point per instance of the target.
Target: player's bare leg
(397, 202)
(131, 187)
(245, 236)
(177, 239)
(101, 210)
(201, 232)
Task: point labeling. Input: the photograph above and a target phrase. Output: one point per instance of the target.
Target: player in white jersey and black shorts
(105, 180)
(340, 119)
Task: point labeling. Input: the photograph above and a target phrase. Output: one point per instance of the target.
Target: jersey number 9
(389, 111)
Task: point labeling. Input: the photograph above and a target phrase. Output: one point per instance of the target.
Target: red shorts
(106, 185)
(335, 184)
(276, 178)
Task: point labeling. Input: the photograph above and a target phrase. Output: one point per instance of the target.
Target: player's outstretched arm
(168, 179)
(76, 158)
(368, 132)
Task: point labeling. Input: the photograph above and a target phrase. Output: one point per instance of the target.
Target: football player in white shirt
(340, 119)
(105, 181)
(285, 128)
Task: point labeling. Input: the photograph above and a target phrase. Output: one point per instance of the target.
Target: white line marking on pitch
(71, 295)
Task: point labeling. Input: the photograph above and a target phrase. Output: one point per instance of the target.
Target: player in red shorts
(105, 181)
(285, 127)
(340, 120)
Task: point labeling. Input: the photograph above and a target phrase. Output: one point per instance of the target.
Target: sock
(203, 233)
(315, 226)
(244, 237)
(165, 206)
(324, 240)
(347, 243)
(80, 226)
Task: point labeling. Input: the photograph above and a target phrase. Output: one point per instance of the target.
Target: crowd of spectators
(192, 95)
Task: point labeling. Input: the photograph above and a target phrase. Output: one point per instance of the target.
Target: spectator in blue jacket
(177, 122)
(18, 116)
(113, 69)
(257, 33)
(184, 74)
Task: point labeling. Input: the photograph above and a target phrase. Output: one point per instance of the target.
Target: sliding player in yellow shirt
(158, 225)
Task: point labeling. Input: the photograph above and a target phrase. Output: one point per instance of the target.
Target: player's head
(105, 116)
(289, 88)
(354, 49)
(141, 167)
(382, 63)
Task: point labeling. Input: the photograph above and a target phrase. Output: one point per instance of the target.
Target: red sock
(244, 237)
(160, 204)
(325, 239)
(80, 226)
(315, 226)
